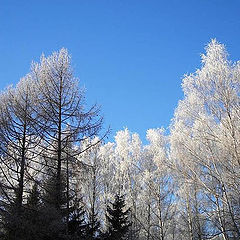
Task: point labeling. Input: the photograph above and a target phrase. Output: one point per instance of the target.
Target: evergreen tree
(77, 226)
(118, 219)
(12, 222)
(24, 225)
(31, 217)
(93, 228)
(52, 218)
(33, 201)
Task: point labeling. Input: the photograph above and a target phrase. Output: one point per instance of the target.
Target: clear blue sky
(129, 54)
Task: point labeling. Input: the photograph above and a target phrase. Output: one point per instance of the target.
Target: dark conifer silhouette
(93, 228)
(77, 226)
(117, 219)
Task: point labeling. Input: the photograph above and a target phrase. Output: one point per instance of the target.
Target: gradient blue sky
(129, 54)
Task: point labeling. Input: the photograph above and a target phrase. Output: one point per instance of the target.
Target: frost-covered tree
(43, 122)
(157, 195)
(18, 137)
(91, 186)
(205, 138)
(19, 150)
(55, 173)
(62, 108)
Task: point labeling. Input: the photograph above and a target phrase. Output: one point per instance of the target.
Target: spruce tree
(33, 200)
(24, 225)
(93, 228)
(117, 219)
(31, 217)
(52, 218)
(77, 226)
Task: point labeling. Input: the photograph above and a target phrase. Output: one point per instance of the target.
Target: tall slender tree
(19, 141)
(62, 107)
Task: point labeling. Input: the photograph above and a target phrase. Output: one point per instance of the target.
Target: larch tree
(19, 143)
(63, 117)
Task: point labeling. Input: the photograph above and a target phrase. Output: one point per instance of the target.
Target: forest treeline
(60, 180)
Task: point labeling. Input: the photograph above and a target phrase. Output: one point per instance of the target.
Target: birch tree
(204, 136)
